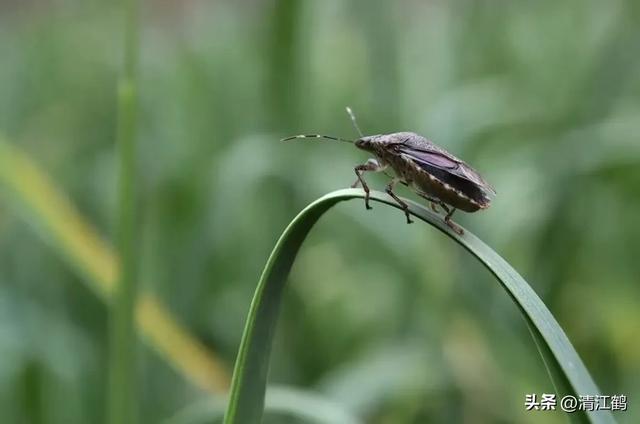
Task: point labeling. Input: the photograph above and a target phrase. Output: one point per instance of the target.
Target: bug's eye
(362, 142)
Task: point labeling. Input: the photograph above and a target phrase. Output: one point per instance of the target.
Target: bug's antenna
(328, 137)
(353, 120)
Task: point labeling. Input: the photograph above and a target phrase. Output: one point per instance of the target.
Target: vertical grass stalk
(122, 391)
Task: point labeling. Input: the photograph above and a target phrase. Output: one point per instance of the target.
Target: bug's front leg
(372, 165)
(449, 222)
(402, 203)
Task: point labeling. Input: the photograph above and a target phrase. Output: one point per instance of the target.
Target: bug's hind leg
(403, 204)
(433, 202)
(449, 222)
(372, 165)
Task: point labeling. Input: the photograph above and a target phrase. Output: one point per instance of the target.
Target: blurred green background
(392, 322)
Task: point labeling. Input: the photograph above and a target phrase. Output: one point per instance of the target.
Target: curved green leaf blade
(252, 364)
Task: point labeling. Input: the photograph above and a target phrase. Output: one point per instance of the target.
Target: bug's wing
(433, 156)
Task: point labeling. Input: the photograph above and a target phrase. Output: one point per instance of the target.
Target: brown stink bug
(432, 172)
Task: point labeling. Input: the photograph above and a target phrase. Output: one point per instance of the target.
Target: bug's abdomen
(450, 192)
(451, 189)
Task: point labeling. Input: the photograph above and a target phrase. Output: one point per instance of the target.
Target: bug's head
(365, 143)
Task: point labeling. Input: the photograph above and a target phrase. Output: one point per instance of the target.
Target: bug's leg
(449, 222)
(402, 204)
(391, 176)
(433, 202)
(371, 165)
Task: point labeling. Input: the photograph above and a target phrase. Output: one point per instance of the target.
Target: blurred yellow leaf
(95, 259)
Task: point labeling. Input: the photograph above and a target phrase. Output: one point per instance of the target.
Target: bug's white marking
(450, 188)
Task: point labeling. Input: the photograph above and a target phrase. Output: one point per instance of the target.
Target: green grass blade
(122, 394)
(252, 364)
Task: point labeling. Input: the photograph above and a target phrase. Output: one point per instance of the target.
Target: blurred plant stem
(282, 56)
(123, 388)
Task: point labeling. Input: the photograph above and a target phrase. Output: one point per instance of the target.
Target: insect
(433, 173)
